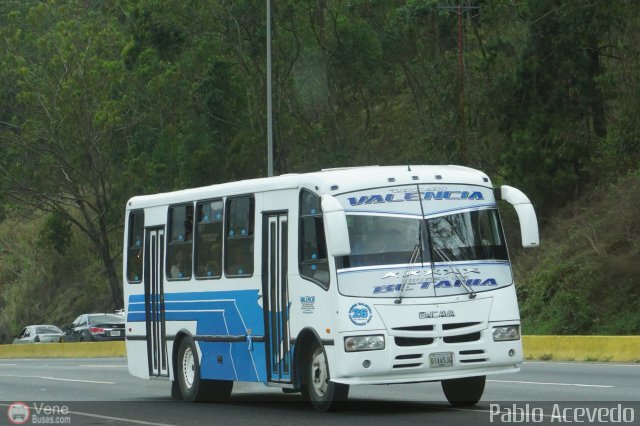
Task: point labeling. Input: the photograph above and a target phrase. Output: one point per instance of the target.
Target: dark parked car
(95, 328)
(38, 334)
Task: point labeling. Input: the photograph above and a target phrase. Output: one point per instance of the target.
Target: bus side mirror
(335, 225)
(526, 214)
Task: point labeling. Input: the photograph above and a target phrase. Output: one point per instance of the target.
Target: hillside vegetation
(584, 279)
(103, 100)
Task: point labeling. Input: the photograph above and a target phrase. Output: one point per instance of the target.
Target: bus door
(276, 297)
(154, 302)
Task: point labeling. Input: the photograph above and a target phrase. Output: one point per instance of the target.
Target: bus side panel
(220, 316)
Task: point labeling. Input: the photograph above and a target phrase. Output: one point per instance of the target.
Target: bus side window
(134, 247)
(180, 241)
(312, 250)
(239, 227)
(208, 249)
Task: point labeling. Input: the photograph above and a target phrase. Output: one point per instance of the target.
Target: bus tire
(175, 390)
(464, 392)
(324, 394)
(189, 372)
(216, 390)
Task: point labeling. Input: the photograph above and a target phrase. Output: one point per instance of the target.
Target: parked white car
(39, 334)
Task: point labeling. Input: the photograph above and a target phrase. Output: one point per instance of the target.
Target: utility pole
(460, 11)
(269, 113)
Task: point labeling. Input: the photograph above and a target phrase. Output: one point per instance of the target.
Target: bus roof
(327, 181)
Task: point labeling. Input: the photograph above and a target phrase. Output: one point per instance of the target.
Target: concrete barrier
(582, 348)
(64, 350)
(571, 348)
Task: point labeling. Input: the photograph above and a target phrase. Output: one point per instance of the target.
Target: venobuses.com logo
(18, 413)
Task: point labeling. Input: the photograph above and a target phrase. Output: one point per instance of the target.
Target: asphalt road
(101, 391)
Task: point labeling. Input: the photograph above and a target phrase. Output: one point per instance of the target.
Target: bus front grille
(413, 341)
(466, 356)
(408, 361)
(462, 338)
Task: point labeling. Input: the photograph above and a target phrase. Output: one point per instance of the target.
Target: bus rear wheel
(192, 387)
(323, 393)
(464, 392)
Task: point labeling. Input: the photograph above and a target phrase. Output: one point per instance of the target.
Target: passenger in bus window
(237, 264)
(212, 266)
(239, 261)
(179, 267)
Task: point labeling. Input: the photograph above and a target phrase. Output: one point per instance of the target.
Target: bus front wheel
(323, 393)
(464, 392)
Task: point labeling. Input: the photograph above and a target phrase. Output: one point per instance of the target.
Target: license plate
(115, 332)
(441, 359)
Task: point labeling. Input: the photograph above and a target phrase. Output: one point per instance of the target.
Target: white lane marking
(99, 366)
(59, 379)
(582, 363)
(119, 419)
(552, 383)
(8, 365)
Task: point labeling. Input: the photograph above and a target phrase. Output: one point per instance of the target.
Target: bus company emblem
(360, 314)
(414, 196)
(308, 304)
(437, 314)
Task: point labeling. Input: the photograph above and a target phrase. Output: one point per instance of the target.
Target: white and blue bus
(316, 282)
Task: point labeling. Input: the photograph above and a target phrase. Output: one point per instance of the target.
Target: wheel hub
(319, 376)
(188, 368)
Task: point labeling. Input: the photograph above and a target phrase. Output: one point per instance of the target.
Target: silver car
(39, 334)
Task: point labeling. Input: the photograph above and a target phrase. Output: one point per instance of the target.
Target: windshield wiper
(417, 251)
(459, 275)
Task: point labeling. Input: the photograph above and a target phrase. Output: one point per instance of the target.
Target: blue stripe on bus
(217, 313)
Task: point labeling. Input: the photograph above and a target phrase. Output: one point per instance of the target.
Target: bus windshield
(474, 235)
(389, 240)
(382, 240)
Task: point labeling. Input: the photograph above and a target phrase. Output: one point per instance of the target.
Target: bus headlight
(505, 333)
(363, 343)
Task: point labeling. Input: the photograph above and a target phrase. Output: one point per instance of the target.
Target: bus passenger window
(239, 227)
(180, 242)
(312, 245)
(134, 247)
(208, 249)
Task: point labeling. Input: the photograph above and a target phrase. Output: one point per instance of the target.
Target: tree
(557, 116)
(64, 144)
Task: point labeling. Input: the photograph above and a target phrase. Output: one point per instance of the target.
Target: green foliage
(105, 100)
(585, 280)
(39, 285)
(56, 233)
